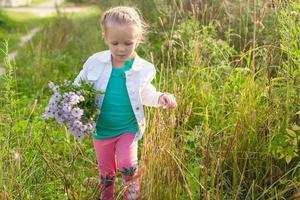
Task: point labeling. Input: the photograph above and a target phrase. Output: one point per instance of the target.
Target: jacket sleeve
(82, 74)
(149, 94)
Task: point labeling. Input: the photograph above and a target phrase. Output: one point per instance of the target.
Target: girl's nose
(121, 48)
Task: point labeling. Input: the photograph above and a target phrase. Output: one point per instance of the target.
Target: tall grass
(40, 160)
(8, 113)
(241, 141)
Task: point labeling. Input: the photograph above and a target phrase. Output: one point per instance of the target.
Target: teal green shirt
(116, 114)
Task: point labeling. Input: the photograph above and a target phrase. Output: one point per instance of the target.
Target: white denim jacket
(97, 70)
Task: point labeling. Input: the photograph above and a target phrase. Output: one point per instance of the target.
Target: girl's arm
(151, 97)
(82, 74)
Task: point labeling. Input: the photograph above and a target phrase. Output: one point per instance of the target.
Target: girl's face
(121, 40)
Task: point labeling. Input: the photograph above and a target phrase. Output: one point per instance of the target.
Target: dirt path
(46, 11)
(51, 4)
(12, 55)
(49, 8)
(23, 41)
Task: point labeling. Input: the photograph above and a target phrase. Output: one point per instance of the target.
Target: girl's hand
(167, 100)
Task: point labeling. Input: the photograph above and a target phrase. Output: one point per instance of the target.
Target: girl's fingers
(171, 101)
(165, 100)
(162, 100)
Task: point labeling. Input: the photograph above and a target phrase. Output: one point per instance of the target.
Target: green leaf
(291, 133)
(288, 159)
(294, 141)
(296, 128)
(281, 155)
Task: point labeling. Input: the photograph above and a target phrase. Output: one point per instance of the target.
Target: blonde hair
(124, 15)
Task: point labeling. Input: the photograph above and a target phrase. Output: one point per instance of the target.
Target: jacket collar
(105, 57)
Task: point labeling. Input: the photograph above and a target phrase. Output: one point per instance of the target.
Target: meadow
(234, 67)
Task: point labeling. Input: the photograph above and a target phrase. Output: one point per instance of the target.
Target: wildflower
(77, 123)
(89, 126)
(83, 128)
(293, 13)
(16, 156)
(77, 112)
(47, 114)
(176, 35)
(51, 85)
(66, 82)
(64, 106)
(81, 98)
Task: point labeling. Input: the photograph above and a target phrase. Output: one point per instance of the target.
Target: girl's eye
(128, 44)
(115, 44)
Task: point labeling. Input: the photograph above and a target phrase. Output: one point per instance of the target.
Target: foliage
(285, 143)
(5, 22)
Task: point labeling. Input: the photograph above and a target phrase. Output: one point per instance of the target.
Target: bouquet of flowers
(73, 106)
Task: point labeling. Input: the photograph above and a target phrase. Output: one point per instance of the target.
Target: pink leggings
(121, 151)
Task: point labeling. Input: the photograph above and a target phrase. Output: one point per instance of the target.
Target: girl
(126, 79)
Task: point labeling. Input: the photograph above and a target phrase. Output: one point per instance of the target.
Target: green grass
(38, 2)
(234, 134)
(49, 55)
(20, 25)
(17, 24)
